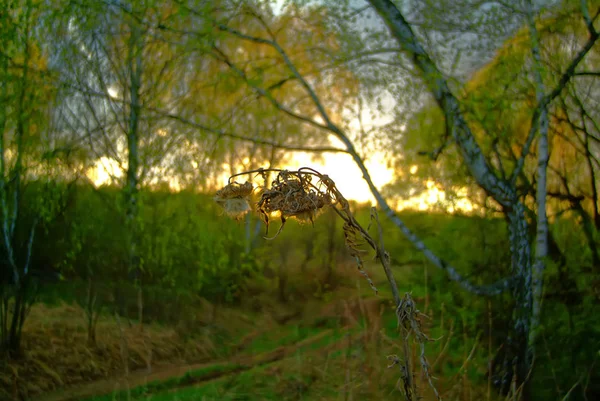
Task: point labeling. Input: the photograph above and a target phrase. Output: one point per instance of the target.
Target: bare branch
(29, 247)
(541, 249)
(273, 43)
(265, 93)
(587, 73)
(260, 141)
(547, 99)
(589, 21)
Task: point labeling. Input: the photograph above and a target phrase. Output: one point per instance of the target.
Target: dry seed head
(235, 190)
(292, 195)
(234, 198)
(235, 207)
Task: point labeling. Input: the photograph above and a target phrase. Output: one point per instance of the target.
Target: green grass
(146, 391)
(281, 337)
(250, 385)
(253, 384)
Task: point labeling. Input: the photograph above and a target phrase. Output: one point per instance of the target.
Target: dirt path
(135, 379)
(165, 372)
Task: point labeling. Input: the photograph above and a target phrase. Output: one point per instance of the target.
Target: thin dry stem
(302, 195)
(410, 324)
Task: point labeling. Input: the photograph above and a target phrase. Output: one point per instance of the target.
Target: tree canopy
(493, 103)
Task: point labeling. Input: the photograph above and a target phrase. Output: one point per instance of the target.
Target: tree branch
(461, 132)
(589, 21)
(266, 94)
(452, 273)
(536, 276)
(29, 247)
(587, 74)
(260, 141)
(547, 99)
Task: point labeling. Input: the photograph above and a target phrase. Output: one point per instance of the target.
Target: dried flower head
(234, 198)
(301, 195)
(235, 190)
(293, 195)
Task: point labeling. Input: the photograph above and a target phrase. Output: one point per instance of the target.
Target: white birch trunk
(504, 193)
(541, 241)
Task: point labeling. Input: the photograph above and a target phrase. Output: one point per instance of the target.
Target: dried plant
(302, 195)
(292, 194)
(409, 323)
(234, 198)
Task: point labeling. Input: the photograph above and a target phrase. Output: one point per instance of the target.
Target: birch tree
(28, 197)
(117, 73)
(527, 288)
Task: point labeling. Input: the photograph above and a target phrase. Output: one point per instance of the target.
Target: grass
(290, 379)
(249, 385)
(335, 349)
(333, 346)
(247, 382)
(340, 360)
(147, 390)
(338, 347)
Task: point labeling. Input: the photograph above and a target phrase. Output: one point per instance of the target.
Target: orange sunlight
(347, 176)
(104, 172)
(340, 167)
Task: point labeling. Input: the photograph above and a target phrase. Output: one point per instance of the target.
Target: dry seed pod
(234, 199)
(292, 197)
(235, 190)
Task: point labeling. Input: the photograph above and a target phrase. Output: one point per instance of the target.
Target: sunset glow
(340, 167)
(347, 176)
(104, 172)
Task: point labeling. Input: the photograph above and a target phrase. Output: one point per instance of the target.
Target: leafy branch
(544, 101)
(328, 125)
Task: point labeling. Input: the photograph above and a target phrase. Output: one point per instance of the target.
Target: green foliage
(571, 333)
(211, 77)
(199, 251)
(570, 338)
(149, 390)
(190, 250)
(186, 247)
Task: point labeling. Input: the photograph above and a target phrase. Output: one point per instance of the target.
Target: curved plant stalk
(303, 194)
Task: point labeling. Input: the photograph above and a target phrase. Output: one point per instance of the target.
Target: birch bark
(134, 64)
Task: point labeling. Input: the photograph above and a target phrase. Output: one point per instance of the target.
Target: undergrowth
(329, 338)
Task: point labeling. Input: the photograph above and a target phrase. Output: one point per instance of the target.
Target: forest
(299, 200)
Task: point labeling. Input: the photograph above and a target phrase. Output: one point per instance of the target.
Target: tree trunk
(536, 283)
(248, 234)
(90, 311)
(282, 273)
(13, 340)
(520, 249)
(309, 245)
(131, 190)
(331, 248)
